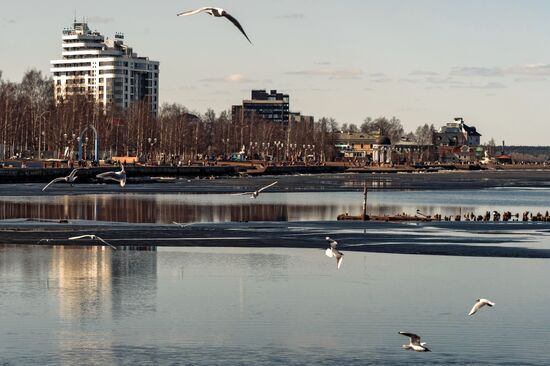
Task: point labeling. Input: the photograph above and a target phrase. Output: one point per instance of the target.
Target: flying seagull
(414, 343)
(69, 178)
(332, 252)
(92, 237)
(119, 176)
(255, 193)
(217, 12)
(479, 304)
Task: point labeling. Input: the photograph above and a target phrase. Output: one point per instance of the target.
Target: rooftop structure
(104, 68)
(458, 133)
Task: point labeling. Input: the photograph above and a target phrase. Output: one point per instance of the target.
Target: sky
(423, 61)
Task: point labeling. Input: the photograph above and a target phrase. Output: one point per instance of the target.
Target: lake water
(298, 206)
(213, 306)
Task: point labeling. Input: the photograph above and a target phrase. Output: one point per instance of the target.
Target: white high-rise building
(105, 68)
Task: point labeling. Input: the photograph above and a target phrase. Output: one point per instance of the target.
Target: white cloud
(410, 81)
(489, 85)
(231, 78)
(529, 79)
(381, 79)
(423, 73)
(529, 69)
(330, 73)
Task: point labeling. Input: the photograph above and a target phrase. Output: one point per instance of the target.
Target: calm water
(75, 306)
(165, 208)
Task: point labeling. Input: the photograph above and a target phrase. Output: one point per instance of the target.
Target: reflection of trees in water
(147, 210)
(144, 210)
(134, 282)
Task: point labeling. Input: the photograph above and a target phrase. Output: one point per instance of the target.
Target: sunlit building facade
(104, 68)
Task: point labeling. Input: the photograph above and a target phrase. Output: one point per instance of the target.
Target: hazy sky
(424, 61)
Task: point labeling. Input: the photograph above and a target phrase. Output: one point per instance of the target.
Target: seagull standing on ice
(119, 176)
(69, 178)
(332, 252)
(217, 12)
(92, 237)
(479, 304)
(414, 343)
(255, 194)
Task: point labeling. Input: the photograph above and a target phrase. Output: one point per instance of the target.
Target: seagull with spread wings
(182, 225)
(217, 12)
(414, 343)
(92, 237)
(119, 176)
(256, 193)
(332, 252)
(479, 304)
(69, 179)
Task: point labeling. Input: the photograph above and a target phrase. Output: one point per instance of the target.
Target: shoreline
(468, 239)
(154, 174)
(341, 182)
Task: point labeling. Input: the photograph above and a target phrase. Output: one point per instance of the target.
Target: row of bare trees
(32, 124)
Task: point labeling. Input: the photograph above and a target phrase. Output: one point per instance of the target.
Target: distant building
(457, 134)
(458, 142)
(297, 117)
(272, 106)
(104, 68)
(407, 152)
(354, 145)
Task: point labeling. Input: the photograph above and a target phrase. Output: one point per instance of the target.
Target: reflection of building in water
(84, 277)
(97, 281)
(134, 281)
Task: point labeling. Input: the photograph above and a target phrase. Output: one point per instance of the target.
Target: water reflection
(265, 306)
(302, 206)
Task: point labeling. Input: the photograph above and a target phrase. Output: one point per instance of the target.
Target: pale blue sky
(423, 61)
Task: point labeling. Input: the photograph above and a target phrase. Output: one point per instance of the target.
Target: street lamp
(86, 148)
(152, 142)
(41, 132)
(78, 142)
(43, 141)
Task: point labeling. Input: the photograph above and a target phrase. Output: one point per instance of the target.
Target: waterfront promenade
(13, 173)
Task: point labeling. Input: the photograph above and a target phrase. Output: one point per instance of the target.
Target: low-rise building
(408, 152)
(354, 145)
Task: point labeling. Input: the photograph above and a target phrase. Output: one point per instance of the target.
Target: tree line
(33, 124)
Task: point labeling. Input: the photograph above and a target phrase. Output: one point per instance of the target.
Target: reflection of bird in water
(332, 252)
(92, 237)
(217, 12)
(69, 178)
(182, 225)
(255, 193)
(414, 343)
(119, 176)
(479, 304)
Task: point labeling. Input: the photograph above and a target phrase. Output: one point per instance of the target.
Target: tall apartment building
(105, 68)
